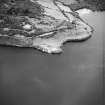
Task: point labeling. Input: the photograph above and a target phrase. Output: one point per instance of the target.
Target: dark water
(30, 77)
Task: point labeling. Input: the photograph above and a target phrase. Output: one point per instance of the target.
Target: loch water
(75, 77)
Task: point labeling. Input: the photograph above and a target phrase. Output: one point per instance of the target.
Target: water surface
(30, 77)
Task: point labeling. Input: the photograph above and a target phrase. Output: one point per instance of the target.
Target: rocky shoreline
(46, 30)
